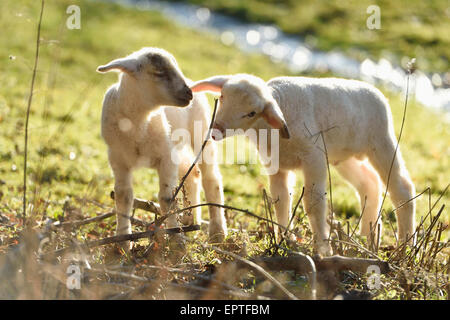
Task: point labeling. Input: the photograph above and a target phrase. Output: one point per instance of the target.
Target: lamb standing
(137, 132)
(355, 122)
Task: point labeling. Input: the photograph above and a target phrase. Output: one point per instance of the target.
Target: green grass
(65, 116)
(408, 28)
(67, 105)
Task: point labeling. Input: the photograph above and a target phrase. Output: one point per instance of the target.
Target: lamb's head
(155, 74)
(244, 99)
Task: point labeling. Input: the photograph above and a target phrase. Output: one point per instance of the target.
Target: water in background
(296, 54)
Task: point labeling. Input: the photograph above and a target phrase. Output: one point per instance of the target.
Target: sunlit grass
(65, 119)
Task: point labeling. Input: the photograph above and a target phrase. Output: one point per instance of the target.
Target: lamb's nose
(188, 92)
(218, 131)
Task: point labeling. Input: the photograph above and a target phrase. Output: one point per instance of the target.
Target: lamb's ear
(274, 117)
(128, 65)
(213, 84)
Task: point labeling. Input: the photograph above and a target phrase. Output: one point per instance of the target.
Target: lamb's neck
(278, 96)
(261, 127)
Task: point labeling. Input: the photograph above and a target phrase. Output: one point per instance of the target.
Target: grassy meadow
(68, 173)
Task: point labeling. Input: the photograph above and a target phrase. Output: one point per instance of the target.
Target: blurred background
(368, 40)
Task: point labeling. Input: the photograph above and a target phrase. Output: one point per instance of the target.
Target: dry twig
(126, 237)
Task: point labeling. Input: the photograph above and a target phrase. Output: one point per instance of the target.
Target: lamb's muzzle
(185, 96)
(218, 132)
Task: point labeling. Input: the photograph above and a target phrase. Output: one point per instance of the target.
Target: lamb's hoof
(187, 219)
(323, 249)
(402, 249)
(216, 238)
(410, 241)
(291, 237)
(373, 240)
(217, 233)
(177, 247)
(115, 253)
(125, 247)
(292, 241)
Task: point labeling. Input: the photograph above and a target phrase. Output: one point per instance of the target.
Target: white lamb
(137, 131)
(355, 121)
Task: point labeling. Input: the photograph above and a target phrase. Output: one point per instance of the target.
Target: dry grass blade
(402, 246)
(330, 185)
(410, 70)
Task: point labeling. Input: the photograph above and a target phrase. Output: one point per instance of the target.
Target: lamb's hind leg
(281, 193)
(192, 192)
(400, 187)
(368, 185)
(168, 176)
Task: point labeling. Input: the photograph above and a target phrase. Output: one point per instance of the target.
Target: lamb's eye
(251, 114)
(159, 74)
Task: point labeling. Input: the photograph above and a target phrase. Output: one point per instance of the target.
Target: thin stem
(329, 182)
(30, 99)
(396, 147)
(199, 154)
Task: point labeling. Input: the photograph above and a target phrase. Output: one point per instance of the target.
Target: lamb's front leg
(123, 199)
(168, 176)
(315, 203)
(281, 193)
(212, 186)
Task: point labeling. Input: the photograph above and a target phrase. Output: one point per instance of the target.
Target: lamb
(139, 112)
(355, 122)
